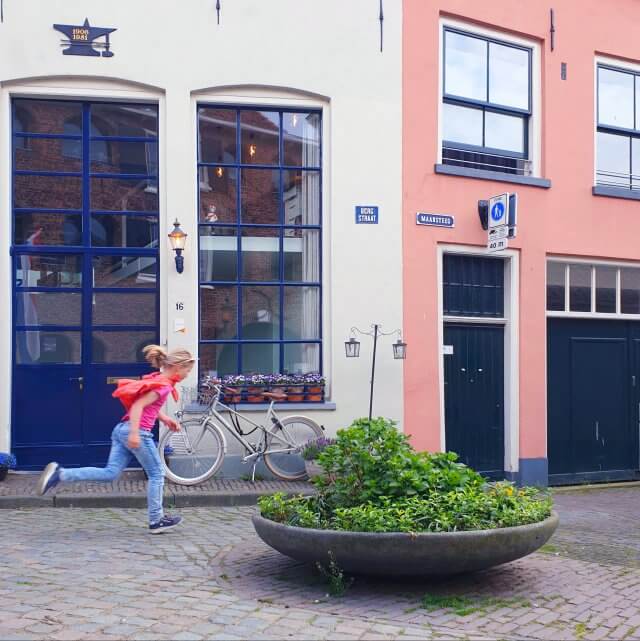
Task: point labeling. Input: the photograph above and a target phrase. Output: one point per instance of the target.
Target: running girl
(132, 437)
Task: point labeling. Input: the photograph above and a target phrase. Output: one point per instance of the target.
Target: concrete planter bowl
(400, 554)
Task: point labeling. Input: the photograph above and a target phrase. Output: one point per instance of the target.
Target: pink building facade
(525, 361)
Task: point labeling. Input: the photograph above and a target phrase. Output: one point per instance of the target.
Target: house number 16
(179, 307)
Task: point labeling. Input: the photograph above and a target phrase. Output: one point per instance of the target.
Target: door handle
(597, 431)
(80, 381)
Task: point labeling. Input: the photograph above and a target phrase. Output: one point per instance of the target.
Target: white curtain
(310, 203)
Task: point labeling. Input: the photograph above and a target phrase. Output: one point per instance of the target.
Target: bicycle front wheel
(283, 455)
(194, 454)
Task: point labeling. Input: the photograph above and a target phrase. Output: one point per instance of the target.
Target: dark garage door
(592, 400)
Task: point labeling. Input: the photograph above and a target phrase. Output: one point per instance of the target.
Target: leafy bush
(376, 482)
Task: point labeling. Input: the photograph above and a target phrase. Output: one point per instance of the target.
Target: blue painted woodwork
(62, 407)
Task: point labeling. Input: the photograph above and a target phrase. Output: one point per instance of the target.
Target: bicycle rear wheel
(283, 455)
(194, 454)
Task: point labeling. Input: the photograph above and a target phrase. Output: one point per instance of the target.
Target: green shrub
(375, 481)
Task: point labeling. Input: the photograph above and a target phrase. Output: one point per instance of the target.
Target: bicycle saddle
(275, 396)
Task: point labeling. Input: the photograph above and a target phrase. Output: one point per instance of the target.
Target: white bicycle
(196, 452)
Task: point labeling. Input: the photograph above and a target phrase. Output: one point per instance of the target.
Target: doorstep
(18, 490)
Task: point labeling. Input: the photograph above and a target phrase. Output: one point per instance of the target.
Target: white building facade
(259, 126)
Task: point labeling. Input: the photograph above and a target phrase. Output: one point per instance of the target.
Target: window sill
(325, 406)
(616, 192)
(498, 176)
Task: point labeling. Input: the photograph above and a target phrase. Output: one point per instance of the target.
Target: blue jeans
(119, 458)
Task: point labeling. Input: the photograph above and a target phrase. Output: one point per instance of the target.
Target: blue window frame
(260, 239)
(486, 103)
(85, 232)
(618, 128)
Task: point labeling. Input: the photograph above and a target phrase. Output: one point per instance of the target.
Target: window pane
(46, 116)
(465, 66)
(504, 132)
(259, 196)
(124, 271)
(218, 253)
(218, 360)
(118, 194)
(48, 308)
(47, 229)
(606, 289)
(46, 154)
(613, 160)
(301, 195)
(630, 291)
(260, 137)
(140, 121)
(217, 130)
(47, 347)
(260, 358)
(120, 347)
(218, 195)
(260, 254)
(635, 163)
(124, 309)
(260, 312)
(47, 192)
(118, 157)
(50, 270)
(301, 139)
(301, 358)
(462, 125)
(124, 231)
(615, 98)
(302, 255)
(580, 288)
(555, 286)
(301, 313)
(508, 76)
(218, 312)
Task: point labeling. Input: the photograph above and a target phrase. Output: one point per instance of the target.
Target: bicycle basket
(195, 398)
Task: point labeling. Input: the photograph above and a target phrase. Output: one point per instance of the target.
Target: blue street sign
(435, 220)
(497, 211)
(366, 215)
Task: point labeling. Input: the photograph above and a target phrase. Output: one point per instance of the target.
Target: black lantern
(352, 348)
(399, 350)
(178, 239)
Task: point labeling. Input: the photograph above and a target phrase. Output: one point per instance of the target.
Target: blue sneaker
(49, 478)
(164, 524)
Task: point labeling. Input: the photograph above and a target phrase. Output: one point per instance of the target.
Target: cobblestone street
(97, 574)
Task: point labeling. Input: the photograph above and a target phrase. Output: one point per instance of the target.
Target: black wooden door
(474, 395)
(591, 400)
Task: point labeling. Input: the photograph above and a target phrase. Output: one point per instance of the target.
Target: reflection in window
(556, 286)
(487, 103)
(618, 129)
(257, 236)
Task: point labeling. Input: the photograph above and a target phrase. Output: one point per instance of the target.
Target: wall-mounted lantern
(178, 239)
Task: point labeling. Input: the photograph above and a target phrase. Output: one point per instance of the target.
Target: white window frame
(535, 137)
(618, 315)
(510, 322)
(623, 65)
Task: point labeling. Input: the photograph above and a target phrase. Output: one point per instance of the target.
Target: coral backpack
(130, 390)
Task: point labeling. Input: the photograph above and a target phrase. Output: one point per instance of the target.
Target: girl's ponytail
(155, 355)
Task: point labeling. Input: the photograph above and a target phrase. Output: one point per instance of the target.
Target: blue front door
(86, 273)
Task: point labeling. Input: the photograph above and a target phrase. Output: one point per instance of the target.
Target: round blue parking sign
(497, 211)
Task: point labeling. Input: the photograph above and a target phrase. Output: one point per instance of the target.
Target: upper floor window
(486, 104)
(618, 128)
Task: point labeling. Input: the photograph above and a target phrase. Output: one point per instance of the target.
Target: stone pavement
(130, 490)
(97, 574)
